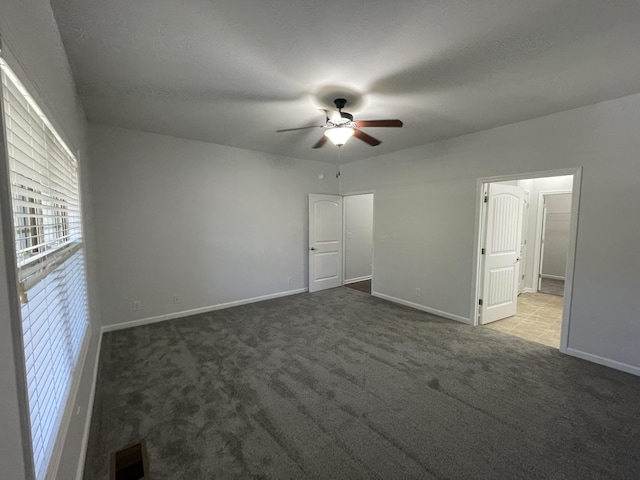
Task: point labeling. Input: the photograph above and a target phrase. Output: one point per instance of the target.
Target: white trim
(571, 260)
(417, 306)
(63, 429)
(359, 279)
(607, 362)
(196, 311)
(87, 422)
(552, 277)
(528, 290)
(571, 254)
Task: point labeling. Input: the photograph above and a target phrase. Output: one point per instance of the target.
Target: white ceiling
(234, 71)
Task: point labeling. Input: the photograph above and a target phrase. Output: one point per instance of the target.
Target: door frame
(573, 235)
(537, 254)
(344, 234)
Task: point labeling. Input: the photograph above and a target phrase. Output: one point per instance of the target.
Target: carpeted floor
(342, 385)
(551, 286)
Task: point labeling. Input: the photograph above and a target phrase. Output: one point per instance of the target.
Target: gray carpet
(552, 286)
(341, 385)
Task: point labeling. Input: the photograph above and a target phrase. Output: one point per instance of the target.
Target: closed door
(501, 252)
(325, 242)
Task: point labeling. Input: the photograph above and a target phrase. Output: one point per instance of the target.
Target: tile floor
(538, 319)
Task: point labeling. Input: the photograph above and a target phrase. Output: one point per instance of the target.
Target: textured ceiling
(234, 71)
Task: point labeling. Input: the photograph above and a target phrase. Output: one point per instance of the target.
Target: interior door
(523, 242)
(501, 266)
(325, 242)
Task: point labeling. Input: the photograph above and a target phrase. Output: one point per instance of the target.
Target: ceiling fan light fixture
(339, 135)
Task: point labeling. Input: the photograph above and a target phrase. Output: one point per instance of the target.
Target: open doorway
(358, 241)
(526, 223)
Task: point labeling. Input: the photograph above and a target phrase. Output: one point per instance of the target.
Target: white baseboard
(87, 423)
(607, 362)
(552, 277)
(417, 306)
(359, 279)
(196, 311)
(528, 290)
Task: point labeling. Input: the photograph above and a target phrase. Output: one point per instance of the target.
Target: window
(47, 220)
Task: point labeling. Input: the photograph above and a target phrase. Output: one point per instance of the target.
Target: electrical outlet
(177, 299)
(136, 305)
(289, 281)
(418, 292)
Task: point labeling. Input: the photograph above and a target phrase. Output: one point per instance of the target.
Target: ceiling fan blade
(366, 138)
(299, 128)
(379, 123)
(320, 142)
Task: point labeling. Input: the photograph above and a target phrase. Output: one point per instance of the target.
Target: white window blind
(43, 173)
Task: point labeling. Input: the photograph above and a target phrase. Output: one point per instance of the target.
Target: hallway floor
(364, 286)
(538, 319)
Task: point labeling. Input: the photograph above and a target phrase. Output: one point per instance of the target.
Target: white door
(501, 252)
(325, 242)
(523, 241)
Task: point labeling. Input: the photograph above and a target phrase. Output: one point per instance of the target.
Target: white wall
(358, 248)
(32, 46)
(210, 223)
(425, 209)
(556, 238)
(534, 186)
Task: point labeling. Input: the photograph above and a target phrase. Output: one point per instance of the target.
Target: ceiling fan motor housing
(340, 103)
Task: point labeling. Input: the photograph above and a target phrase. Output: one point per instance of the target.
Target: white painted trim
(529, 175)
(359, 279)
(87, 423)
(607, 362)
(417, 306)
(571, 254)
(552, 277)
(528, 290)
(196, 311)
(63, 429)
(571, 261)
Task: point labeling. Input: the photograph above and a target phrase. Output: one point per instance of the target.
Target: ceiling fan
(339, 130)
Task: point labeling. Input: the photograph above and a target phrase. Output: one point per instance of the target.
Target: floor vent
(130, 463)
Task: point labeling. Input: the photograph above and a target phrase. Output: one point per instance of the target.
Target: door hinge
(480, 302)
(482, 252)
(486, 199)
